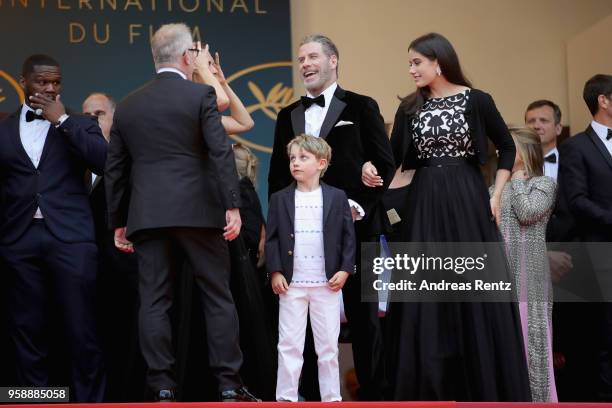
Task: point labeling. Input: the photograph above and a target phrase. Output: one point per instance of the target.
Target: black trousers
(366, 334)
(208, 254)
(43, 269)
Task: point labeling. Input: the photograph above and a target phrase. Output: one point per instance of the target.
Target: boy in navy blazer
(310, 252)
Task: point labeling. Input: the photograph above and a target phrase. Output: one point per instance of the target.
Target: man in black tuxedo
(117, 282)
(575, 333)
(587, 172)
(354, 128)
(46, 229)
(168, 151)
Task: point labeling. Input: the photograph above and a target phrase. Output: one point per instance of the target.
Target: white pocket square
(343, 123)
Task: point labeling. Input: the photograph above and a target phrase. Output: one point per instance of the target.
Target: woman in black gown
(464, 351)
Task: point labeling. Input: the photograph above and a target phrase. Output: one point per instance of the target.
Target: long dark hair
(434, 46)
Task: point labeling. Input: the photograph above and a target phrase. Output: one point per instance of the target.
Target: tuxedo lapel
(336, 106)
(49, 141)
(16, 137)
(600, 146)
(298, 121)
(326, 202)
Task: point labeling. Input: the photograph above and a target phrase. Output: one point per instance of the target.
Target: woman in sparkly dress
(526, 204)
(464, 351)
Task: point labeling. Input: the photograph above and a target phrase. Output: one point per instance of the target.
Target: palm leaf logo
(277, 98)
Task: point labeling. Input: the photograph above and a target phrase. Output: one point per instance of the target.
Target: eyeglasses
(197, 51)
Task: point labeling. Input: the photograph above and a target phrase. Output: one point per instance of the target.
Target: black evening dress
(461, 351)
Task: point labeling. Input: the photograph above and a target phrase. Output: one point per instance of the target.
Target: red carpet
(348, 404)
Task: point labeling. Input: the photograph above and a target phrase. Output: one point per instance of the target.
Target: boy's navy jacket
(339, 241)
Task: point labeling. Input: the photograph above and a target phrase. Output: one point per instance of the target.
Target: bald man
(102, 106)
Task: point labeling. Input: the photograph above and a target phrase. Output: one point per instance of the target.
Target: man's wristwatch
(61, 120)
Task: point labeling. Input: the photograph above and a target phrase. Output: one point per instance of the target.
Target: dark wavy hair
(434, 46)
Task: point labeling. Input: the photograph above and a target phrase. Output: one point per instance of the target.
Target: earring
(438, 70)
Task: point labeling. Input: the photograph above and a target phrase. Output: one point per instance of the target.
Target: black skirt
(453, 351)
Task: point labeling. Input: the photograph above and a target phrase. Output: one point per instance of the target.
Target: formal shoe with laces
(165, 396)
(240, 394)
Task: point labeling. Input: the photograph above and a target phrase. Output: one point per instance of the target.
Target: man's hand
(232, 224)
(121, 241)
(560, 264)
(369, 175)
(279, 283)
(338, 280)
(52, 109)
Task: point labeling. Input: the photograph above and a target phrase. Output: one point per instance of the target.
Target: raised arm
(204, 74)
(239, 120)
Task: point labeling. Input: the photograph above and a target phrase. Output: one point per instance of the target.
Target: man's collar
(169, 69)
(328, 93)
(552, 151)
(600, 129)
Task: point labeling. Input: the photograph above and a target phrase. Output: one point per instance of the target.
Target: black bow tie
(307, 102)
(551, 158)
(31, 115)
(609, 134)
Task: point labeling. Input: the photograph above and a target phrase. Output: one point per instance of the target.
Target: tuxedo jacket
(56, 186)
(561, 225)
(168, 150)
(362, 139)
(339, 242)
(587, 173)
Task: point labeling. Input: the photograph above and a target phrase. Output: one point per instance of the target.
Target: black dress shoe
(165, 396)
(238, 395)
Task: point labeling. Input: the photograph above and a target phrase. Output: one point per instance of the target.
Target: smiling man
(46, 229)
(353, 127)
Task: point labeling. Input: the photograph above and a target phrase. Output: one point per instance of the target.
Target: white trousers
(324, 305)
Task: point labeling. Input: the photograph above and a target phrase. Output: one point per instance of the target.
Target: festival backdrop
(104, 46)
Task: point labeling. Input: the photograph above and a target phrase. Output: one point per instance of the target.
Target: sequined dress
(443, 351)
(526, 206)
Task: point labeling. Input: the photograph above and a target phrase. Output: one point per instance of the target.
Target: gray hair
(328, 46)
(170, 42)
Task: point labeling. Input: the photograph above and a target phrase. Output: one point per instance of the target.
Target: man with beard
(46, 229)
(353, 127)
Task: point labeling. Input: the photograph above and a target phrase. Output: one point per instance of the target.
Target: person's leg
(27, 302)
(73, 268)
(293, 310)
(208, 254)
(325, 321)
(153, 249)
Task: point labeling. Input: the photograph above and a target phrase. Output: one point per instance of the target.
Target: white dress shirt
(602, 132)
(552, 169)
(314, 117)
(33, 136)
(315, 114)
(176, 71)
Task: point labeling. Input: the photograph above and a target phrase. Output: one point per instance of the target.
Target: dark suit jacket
(352, 146)
(587, 173)
(338, 232)
(56, 185)
(484, 122)
(169, 149)
(561, 226)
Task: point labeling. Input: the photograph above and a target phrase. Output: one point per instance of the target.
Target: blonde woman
(526, 204)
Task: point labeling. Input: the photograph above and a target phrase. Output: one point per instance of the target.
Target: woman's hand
(219, 74)
(496, 208)
(369, 175)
